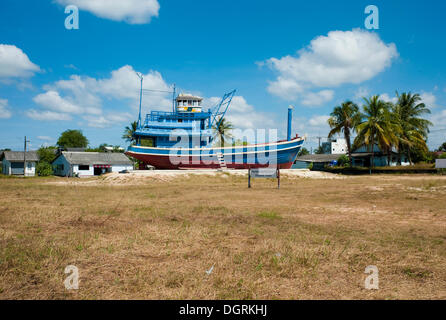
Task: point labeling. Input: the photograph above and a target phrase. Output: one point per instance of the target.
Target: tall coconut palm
(129, 131)
(408, 111)
(223, 132)
(377, 127)
(344, 118)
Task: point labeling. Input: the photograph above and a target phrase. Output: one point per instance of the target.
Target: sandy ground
(139, 177)
(154, 235)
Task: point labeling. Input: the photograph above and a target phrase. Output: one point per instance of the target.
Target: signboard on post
(440, 164)
(264, 173)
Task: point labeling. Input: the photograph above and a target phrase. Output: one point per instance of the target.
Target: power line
(150, 90)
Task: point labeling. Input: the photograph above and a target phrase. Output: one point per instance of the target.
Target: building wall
(381, 161)
(300, 165)
(122, 167)
(29, 171)
(339, 146)
(83, 173)
(61, 167)
(73, 170)
(6, 167)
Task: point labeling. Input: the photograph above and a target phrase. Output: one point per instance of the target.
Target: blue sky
(313, 55)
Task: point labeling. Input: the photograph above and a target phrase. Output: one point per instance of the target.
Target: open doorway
(100, 169)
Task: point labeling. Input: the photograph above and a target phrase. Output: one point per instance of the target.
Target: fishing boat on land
(185, 139)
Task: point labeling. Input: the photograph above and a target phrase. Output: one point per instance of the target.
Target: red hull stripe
(161, 162)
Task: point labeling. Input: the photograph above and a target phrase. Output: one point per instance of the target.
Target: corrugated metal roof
(318, 157)
(332, 157)
(188, 96)
(91, 158)
(16, 156)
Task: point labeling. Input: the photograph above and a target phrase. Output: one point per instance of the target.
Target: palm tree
(223, 132)
(129, 131)
(377, 127)
(344, 118)
(414, 131)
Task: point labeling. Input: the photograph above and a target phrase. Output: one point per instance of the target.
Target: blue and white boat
(184, 139)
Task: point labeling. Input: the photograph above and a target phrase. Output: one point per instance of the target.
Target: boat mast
(173, 98)
(140, 99)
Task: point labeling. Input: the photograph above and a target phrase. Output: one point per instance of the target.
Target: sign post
(440, 164)
(264, 173)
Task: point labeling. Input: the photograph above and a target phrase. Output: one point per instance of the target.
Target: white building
(13, 163)
(85, 164)
(335, 146)
(339, 146)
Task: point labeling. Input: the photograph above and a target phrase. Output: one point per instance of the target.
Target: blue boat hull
(279, 154)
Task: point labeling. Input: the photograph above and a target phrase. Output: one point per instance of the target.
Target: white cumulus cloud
(341, 57)
(385, 97)
(5, 113)
(104, 121)
(47, 115)
(319, 121)
(130, 11)
(45, 138)
(14, 63)
(243, 115)
(317, 98)
(87, 97)
(429, 99)
(53, 101)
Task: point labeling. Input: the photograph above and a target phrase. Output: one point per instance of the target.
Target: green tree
(239, 142)
(319, 150)
(345, 119)
(303, 152)
(47, 154)
(344, 160)
(44, 169)
(129, 131)
(408, 112)
(222, 133)
(72, 139)
(442, 148)
(377, 127)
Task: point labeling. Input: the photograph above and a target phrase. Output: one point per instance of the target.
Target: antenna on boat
(140, 99)
(173, 97)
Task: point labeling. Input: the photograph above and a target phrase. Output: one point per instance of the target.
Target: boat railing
(158, 116)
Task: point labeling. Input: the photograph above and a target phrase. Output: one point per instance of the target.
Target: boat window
(190, 102)
(147, 142)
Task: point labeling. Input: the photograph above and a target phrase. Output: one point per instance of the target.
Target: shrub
(343, 160)
(47, 154)
(310, 166)
(442, 156)
(44, 169)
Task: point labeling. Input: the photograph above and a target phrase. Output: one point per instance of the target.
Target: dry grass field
(155, 239)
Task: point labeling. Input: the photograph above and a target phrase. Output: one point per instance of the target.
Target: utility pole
(24, 158)
(140, 76)
(319, 138)
(319, 143)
